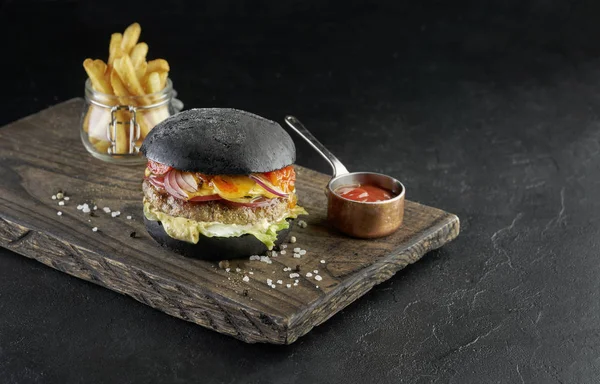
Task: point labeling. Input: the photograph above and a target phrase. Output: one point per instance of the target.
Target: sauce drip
(364, 193)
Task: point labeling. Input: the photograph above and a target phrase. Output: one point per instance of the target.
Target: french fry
(163, 79)
(117, 85)
(138, 54)
(96, 75)
(126, 72)
(114, 48)
(130, 37)
(122, 141)
(140, 71)
(158, 65)
(153, 83)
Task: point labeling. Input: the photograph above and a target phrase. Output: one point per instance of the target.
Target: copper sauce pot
(357, 219)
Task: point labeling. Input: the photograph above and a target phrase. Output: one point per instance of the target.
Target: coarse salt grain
(296, 281)
(279, 281)
(282, 252)
(61, 203)
(283, 246)
(95, 229)
(59, 213)
(114, 214)
(67, 198)
(302, 252)
(308, 274)
(227, 270)
(106, 209)
(273, 286)
(289, 285)
(60, 195)
(95, 207)
(86, 210)
(274, 254)
(295, 284)
(53, 197)
(252, 273)
(265, 259)
(316, 271)
(238, 270)
(292, 275)
(246, 279)
(79, 207)
(254, 257)
(297, 255)
(269, 281)
(293, 239)
(128, 217)
(318, 278)
(297, 249)
(322, 261)
(316, 286)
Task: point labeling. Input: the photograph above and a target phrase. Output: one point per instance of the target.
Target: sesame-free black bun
(213, 248)
(220, 141)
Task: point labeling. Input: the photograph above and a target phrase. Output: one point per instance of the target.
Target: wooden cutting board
(42, 154)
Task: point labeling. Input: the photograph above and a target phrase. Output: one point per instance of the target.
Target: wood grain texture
(42, 154)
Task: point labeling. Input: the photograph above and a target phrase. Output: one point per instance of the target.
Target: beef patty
(213, 211)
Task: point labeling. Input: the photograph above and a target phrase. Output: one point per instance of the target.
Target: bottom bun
(213, 248)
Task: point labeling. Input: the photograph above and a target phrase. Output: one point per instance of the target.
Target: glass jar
(114, 127)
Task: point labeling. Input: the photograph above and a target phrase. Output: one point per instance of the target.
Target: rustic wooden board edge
(446, 229)
(194, 305)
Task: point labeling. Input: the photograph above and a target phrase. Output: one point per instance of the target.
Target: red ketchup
(364, 193)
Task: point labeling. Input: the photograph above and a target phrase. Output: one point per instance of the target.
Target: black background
(487, 109)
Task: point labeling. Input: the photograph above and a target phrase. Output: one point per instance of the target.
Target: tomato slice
(158, 168)
(205, 198)
(261, 202)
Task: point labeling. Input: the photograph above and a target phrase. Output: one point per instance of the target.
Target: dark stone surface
(219, 141)
(486, 109)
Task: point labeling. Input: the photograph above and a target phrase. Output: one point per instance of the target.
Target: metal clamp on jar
(114, 127)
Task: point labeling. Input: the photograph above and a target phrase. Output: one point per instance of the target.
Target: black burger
(219, 183)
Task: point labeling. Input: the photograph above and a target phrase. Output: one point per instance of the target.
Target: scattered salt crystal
(238, 270)
(61, 203)
(60, 195)
(115, 214)
(297, 255)
(316, 271)
(292, 275)
(86, 210)
(274, 254)
(79, 207)
(254, 257)
(295, 284)
(128, 217)
(322, 261)
(95, 207)
(265, 259)
(246, 279)
(308, 274)
(273, 286)
(279, 281)
(95, 229)
(67, 198)
(283, 246)
(318, 278)
(269, 281)
(227, 270)
(252, 273)
(106, 209)
(53, 197)
(293, 239)
(316, 286)
(289, 285)
(59, 213)
(297, 250)
(302, 252)
(282, 252)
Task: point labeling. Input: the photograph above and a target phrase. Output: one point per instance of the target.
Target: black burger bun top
(220, 141)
